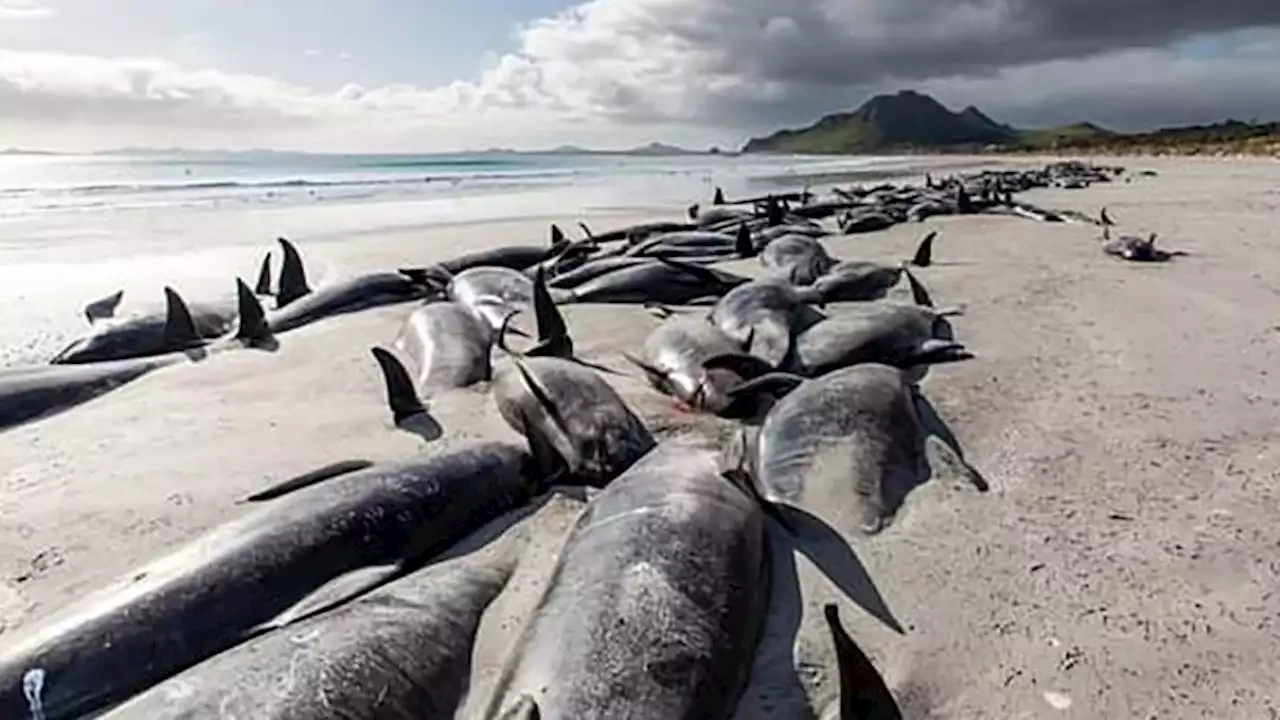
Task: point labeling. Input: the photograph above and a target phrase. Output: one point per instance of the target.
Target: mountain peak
(907, 119)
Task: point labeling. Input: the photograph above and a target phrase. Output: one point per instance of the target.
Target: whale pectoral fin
(549, 467)
(314, 477)
(744, 365)
(293, 277)
(586, 230)
(253, 330)
(548, 405)
(778, 384)
(919, 294)
(656, 377)
(434, 278)
(698, 272)
(771, 342)
(525, 708)
(658, 310)
(924, 254)
(104, 308)
(863, 693)
(946, 447)
(179, 329)
(743, 480)
(402, 396)
(338, 591)
(936, 351)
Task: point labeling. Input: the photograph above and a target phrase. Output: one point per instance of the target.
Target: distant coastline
(914, 123)
(650, 150)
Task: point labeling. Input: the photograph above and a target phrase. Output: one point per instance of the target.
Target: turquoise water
(34, 185)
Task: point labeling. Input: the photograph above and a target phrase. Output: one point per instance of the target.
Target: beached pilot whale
(672, 360)
(1135, 249)
(663, 281)
(401, 652)
(849, 445)
(307, 550)
(578, 429)
(142, 335)
(656, 602)
(29, 393)
(298, 304)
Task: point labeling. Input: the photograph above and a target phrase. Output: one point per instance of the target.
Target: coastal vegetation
(914, 122)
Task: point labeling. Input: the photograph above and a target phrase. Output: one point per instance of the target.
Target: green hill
(906, 121)
(910, 121)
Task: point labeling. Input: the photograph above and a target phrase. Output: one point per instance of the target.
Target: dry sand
(1123, 565)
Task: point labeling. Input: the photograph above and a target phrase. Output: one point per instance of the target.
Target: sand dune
(1126, 416)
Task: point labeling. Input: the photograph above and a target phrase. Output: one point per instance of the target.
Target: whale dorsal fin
(718, 199)
(924, 254)
(553, 334)
(742, 244)
(179, 329)
(293, 277)
(918, 292)
(104, 308)
(557, 236)
(263, 286)
(402, 397)
(253, 329)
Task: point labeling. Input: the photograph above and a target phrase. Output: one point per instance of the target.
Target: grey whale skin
(247, 574)
(656, 602)
(402, 652)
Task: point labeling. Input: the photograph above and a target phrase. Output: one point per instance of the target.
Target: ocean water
(44, 185)
(76, 228)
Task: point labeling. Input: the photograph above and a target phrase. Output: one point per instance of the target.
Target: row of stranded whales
(29, 393)
(357, 589)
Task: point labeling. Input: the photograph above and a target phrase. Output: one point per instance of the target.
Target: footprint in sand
(12, 607)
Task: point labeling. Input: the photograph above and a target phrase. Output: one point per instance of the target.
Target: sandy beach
(1127, 418)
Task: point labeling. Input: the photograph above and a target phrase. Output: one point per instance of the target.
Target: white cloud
(25, 10)
(623, 70)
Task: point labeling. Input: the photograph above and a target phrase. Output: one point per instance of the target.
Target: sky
(440, 75)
